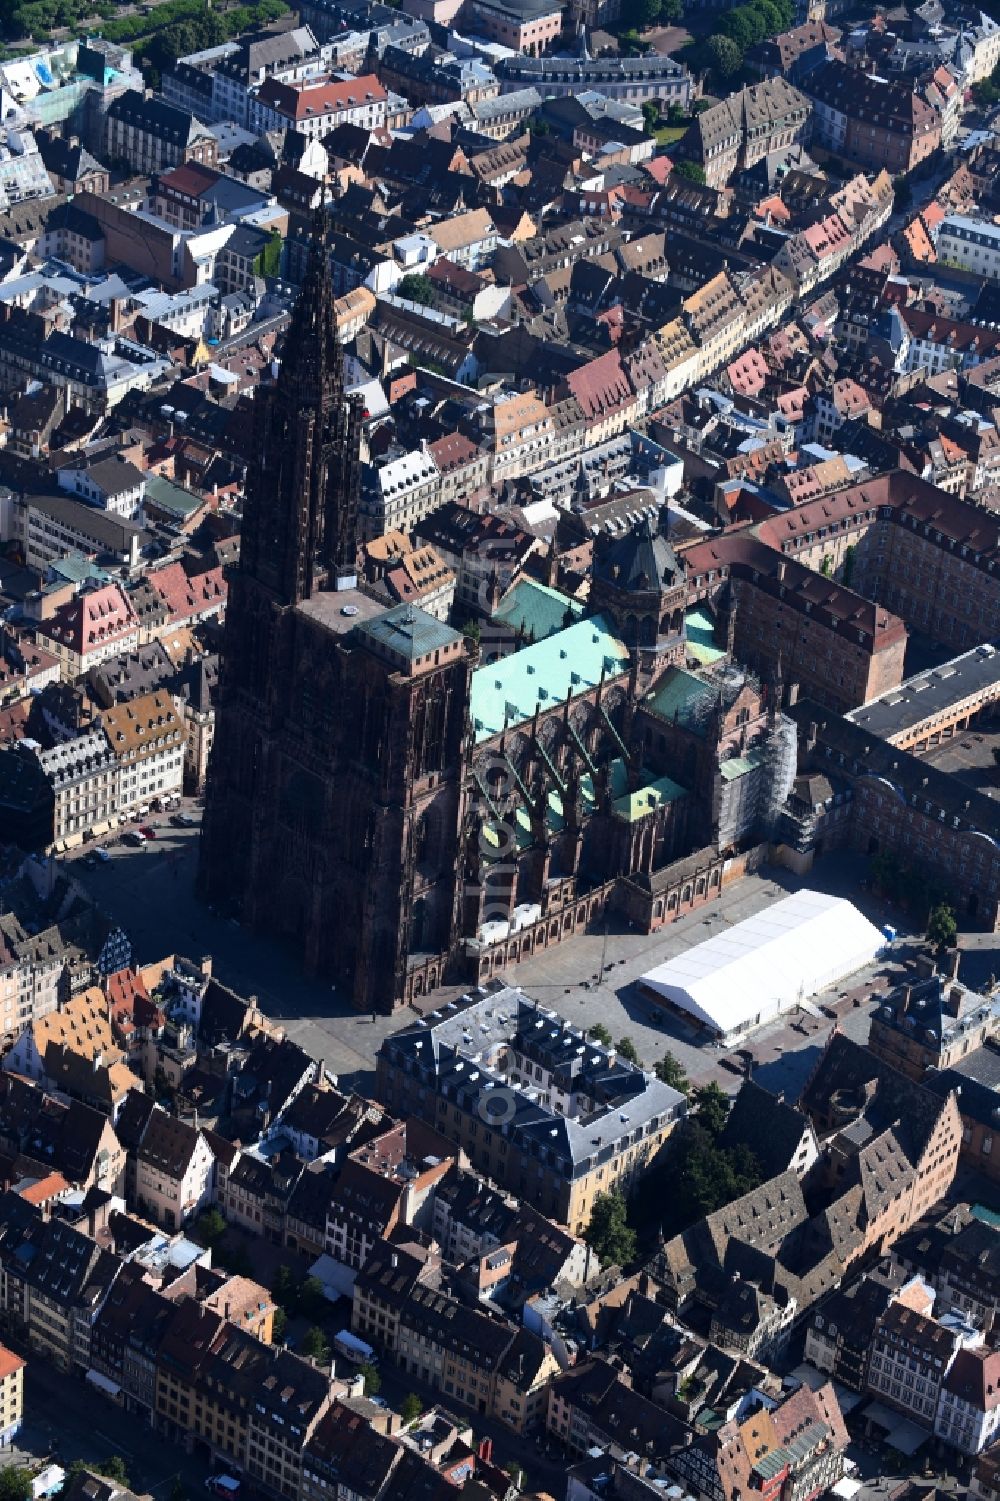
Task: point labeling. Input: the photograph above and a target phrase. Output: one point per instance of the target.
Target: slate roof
(642, 559)
(770, 1128)
(407, 630)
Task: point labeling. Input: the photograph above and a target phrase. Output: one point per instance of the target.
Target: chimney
(905, 1003)
(811, 736)
(953, 1003)
(955, 960)
(206, 967)
(394, 1261)
(793, 694)
(485, 1451)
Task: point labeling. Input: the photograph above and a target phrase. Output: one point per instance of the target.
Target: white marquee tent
(759, 968)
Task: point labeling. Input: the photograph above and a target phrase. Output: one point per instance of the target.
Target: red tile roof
(312, 100)
(601, 385)
(92, 619)
(185, 596)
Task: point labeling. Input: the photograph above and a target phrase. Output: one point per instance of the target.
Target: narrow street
(65, 1420)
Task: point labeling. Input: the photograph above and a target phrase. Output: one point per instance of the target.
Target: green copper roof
(537, 610)
(682, 697)
(738, 766)
(77, 568)
(170, 497)
(409, 631)
(700, 631)
(541, 675)
(637, 804)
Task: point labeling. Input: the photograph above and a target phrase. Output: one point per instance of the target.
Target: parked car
(147, 831)
(224, 1486)
(100, 853)
(134, 837)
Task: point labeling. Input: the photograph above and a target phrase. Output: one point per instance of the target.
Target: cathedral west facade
(405, 813)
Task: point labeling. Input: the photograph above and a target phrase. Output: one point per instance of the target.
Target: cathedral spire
(300, 514)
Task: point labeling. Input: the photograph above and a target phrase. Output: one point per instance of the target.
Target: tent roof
(770, 961)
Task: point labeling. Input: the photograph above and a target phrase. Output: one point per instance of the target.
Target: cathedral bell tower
(298, 540)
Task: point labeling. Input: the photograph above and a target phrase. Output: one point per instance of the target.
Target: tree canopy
(609, 1234)
(416, 288)
(692, 170)
(710, 1108)
(627, 1049)
(942, 929)
(15, 1483)
(669, 1071)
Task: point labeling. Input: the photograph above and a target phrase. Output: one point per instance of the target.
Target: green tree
(609, 1234)
(285, 1288)
(627, 1049)
(15, 1483)
(942, 929)
(279, 1326)
(669, 1071)
(771, 15)
(417, 288)
(600, 1033)
(711, 1108)
(372, 1380)
(234, 1259)
(268, 263)
(411, 1409)
(312, 1302)
(314, 1345)
(651, 115)
(210, 1227)
(711, 1176)
(723, 56)
(671, 12)
(113, 1468)
(744, 26)
(692, 170)
(637, 15)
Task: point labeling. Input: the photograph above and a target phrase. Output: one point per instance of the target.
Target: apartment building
(96, 624)
(530, 27)
(148, 135)
(931, 1021)
(876, 122)
(971, 244)
(174, 1171)
(11, 1396)
(147, 740)
(911, 1355)
(84, 777)
(403, 491)
(520, 1045)
(53, 1283)
(314, 107)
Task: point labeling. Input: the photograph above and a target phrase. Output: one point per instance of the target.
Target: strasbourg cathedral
(404, 811)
